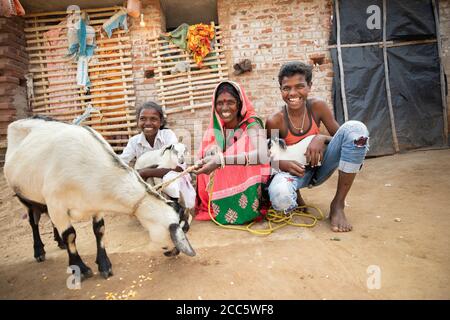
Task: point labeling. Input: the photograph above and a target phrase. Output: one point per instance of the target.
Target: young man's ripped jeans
(346, 152)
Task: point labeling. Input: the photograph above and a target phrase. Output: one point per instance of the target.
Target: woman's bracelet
(222, 160)
(247, 160)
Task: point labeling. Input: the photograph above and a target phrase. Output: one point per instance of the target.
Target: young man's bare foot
(338, 220)
(301, 202)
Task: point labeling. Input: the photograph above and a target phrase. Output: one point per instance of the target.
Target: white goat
(168, 157)
(280, 151)
(74, 174)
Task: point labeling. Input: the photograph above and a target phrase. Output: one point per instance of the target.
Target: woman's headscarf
(214, 134)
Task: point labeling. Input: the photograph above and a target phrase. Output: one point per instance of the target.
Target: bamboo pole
(85, 104)
(202, 71)
(54, 13)
(80, 91)
(441, 71)
(389, 44)
(83, 97)
(64, 46)
(74, 72)
(197, 80)
(186, 108)
(387, 83)
(100, 76)
(91, 16)
(341, 65)
(80, 111)
(182, 88)
(91, 64)
(181, 93)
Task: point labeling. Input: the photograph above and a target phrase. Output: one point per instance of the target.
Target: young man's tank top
(292, 138)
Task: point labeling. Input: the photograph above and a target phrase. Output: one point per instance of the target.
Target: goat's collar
(137, 204)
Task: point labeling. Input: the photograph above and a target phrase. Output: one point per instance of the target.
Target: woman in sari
(234, 145)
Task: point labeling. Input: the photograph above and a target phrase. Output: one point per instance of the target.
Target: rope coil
(275, 219)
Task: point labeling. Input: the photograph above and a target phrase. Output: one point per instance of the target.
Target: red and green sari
(236, 196)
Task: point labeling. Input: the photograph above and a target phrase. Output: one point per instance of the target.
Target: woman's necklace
(292, 123)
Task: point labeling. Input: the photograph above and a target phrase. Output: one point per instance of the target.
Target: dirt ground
(399, 207)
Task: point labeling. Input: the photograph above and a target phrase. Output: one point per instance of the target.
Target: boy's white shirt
(138, 145)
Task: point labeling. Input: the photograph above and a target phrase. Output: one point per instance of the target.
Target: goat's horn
(179, 240)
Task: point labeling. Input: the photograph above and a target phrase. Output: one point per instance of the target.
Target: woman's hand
(314, 152)
(207, 165)
(293, 167)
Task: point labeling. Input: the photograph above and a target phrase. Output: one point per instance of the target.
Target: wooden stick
(100, 108)
(115, 133)
(196, 80)
(341, 64)
(94, 103)
(63, 26)
(387, 83)
(91, 16)
(178, 93)
(441, 71)
(83, 97)
(194, 65)
(40, 37)
(54, 13)
(171, 58)
(168, 45)
(186, 108)
(171, 76)
(90, 64)
(99, 76)
(68, 60)
(182, 86)
(389, 44)
(111, 127)
(77, 87)
(74, 72)
(64, 46)
(203, 95)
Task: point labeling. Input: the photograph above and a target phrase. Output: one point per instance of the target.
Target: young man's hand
(293, 167)
(314, 152)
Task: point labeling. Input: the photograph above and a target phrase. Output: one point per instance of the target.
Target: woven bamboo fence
(56, 93)
(193, 88)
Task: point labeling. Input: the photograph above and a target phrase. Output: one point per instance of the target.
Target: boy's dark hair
(154, 106)
(295, 67)
(228, 87)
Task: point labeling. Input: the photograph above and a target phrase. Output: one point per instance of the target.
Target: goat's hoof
(172, 253)
(62, 246)
(86, 274)
(106, 274)
(40, 258)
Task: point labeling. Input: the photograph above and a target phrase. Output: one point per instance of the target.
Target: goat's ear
(269, 143)
(167, 148)
(282, 143)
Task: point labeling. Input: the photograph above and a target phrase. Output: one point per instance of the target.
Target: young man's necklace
(292, 123)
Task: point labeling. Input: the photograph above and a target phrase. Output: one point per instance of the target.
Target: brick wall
(13, 66)
(145, 88)
(444, 15)
(270, 32)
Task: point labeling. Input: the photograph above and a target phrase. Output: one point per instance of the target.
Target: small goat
(73, 173)
(280, 151)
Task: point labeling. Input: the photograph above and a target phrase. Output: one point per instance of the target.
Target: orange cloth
(199, 38)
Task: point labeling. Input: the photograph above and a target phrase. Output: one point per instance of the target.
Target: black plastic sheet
(414, 74)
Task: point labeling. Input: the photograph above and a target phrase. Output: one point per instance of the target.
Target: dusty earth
(399, 208)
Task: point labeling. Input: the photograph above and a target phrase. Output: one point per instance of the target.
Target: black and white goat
(73, 173)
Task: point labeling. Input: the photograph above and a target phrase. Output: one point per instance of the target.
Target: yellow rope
(275, 219)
